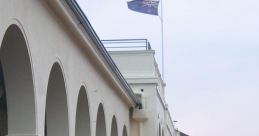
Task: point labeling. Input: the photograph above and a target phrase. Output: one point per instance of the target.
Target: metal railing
(126, 44)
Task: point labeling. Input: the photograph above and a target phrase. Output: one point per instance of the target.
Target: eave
(70, 12)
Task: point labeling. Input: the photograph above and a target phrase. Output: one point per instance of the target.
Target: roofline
(97, 42)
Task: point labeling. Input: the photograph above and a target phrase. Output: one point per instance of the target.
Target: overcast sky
(211, 58)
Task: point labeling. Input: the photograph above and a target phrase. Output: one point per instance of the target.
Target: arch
(163, 133)
(82, 115)
(114, 128)
(56, 112)
(124, 132)
(3, 105)
(159, 130)
(100, 122)
(18, 114)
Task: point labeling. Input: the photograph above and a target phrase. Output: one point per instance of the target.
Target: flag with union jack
(144, 6)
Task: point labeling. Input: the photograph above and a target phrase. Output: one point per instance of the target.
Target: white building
(140, 69)
(57, 79)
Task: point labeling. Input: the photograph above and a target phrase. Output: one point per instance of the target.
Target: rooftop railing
(126, 44)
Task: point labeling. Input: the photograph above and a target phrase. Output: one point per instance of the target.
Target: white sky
(211, 57)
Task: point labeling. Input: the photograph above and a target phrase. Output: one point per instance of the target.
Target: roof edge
(89, 29)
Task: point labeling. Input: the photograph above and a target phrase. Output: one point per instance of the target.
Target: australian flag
(144, 6)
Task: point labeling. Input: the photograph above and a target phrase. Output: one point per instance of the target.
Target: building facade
(141, 71)
(57, 79)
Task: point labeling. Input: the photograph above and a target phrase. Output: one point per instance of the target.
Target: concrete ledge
(139, 115)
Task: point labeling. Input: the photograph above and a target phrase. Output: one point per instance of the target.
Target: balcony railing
(126, 44)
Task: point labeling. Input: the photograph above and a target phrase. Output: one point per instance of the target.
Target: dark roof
(182, 134)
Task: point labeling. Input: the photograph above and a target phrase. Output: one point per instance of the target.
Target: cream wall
(140, 69)
(49, 40)
(54, 36)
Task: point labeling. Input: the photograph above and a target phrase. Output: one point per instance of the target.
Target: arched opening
(124, 132)
(100, 122)
(159, 130)
(82, 115)
(114, 129)
(163, 132)
(56, 121)
(3, 105)
(17, 110)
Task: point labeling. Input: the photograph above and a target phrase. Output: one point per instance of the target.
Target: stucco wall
(49, 41)
(141, 71)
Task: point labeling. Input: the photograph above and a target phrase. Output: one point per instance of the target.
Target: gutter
(89, 29)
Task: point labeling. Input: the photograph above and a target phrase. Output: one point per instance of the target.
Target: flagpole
(142, 7)
(162, 41)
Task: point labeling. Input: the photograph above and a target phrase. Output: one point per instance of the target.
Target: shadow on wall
(17, 90)
(17, 98)
(100, 122)
(56, 104)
